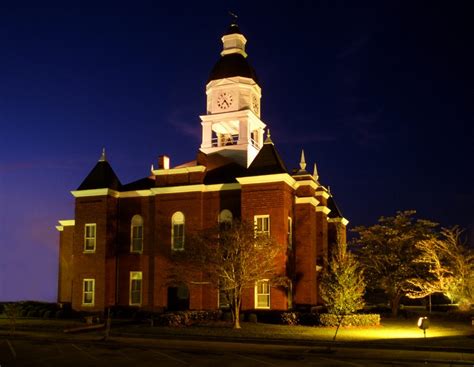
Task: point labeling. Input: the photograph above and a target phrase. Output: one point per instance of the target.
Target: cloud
(177, 120)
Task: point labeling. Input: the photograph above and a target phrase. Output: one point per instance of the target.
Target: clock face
(255, 104)
(225, 100)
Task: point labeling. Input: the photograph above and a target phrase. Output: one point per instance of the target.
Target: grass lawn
(449, 333)
(400, 331)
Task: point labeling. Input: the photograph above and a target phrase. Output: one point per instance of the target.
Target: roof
(224, 174)
(335, 212)
(102, 176)
(231, 65)
(142, 184)
(267, 162)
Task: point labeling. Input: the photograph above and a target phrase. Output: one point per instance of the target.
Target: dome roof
(232, 65)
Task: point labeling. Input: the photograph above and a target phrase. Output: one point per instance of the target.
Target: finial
(329, 190)
(102, 156)
(268, 139)
(315, 172)
(152, 168)
(302, 161)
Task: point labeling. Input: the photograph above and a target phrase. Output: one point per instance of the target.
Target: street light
(423, 324)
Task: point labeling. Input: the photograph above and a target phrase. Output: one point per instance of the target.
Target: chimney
(163, 162)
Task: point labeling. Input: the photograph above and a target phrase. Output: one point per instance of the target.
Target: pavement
(35, 348)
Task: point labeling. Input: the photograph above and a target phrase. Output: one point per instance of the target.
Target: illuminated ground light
(397, 329)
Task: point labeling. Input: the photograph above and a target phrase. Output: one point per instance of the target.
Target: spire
(268, 139)
(302, 161)
(315, 172)
(102, 156)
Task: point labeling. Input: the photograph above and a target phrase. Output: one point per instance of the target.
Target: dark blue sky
(379, 94)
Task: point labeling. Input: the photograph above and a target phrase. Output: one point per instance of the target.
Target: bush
(309, 319)
(47, 314)
(59, 314)
(252, 318)
(185, 318)
(350, 320)
(227, 316)
(290, 318)
(32, 313)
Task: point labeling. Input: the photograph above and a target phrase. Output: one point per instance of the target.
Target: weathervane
(233, 15)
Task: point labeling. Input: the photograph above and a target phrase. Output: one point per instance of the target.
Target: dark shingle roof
(102, 176)
(142, 184)
(266, 162)
(335, 212)
(224, 174)
(232, 65)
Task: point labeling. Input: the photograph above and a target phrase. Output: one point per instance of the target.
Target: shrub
(350, 320)
(290, 318)
(309, 319)
(47, 314)
(32, 313)
(227, 316)
(252, 318)
(59, 314)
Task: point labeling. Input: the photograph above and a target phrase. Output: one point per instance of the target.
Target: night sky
(379, 94)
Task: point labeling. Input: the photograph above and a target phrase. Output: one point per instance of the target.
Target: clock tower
(232, 125)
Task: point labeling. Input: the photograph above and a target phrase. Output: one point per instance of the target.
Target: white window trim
(131, 236)
(255, 219)
(173, 223)
(84, 291)
(135, 275)
(256, 295)
(86, 225)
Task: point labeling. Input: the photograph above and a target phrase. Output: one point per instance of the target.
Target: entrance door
(178, 298)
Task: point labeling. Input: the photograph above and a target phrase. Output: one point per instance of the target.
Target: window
(262, 225)
(262, 294)
(88, 287)
(89, 237)
(225, 219)
(136, 244)
(177, 231)
(135, 288)
(290, 233)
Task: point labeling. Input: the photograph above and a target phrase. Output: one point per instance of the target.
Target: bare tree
(450, 264)
(232, 259)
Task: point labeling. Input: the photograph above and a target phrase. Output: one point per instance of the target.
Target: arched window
(177, 231)
(136, 234)
(225, 219)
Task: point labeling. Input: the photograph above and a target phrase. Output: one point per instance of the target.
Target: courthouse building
(117, 249)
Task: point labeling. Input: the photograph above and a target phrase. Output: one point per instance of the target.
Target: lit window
(88, 287)
(177, 231)
(262, 225)
(89, 237)
(262, 294)
(136, 234)
(135, 288)
(290, 233)
(225, 219)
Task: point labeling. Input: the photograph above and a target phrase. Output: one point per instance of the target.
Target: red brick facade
(112, 261)
(117, 265)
